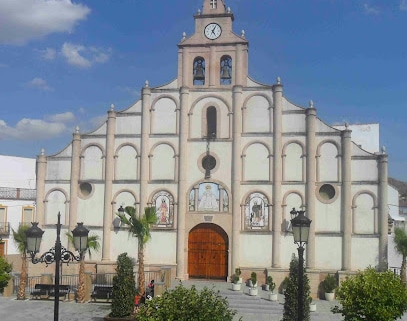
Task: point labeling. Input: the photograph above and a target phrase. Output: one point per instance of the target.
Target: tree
(140, 228)
(291, 294)
(93, 245)
(371, 295)
(5, 270)
(21, 241)
(400, 245)
(182, 304)
(123, 288)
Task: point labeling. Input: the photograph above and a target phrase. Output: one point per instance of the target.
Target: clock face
(213, 31)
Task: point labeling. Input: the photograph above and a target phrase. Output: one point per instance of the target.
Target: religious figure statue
(208, 201)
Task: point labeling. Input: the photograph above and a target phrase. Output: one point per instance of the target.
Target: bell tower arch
(223, 55)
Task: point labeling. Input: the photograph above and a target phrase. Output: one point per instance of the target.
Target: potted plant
(270, 286)
(238, 272)
(236, 285)
(329, 284)
(253, 284)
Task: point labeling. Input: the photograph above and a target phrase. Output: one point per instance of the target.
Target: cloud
(403, 5)
(48, 54)
(3, 65)
(84, 57)
(370, 10)
(31, 129)
(40, 84)
(24, 20)
(61, 118)
(130, 90)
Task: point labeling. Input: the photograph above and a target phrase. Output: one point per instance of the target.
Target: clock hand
(213, 30)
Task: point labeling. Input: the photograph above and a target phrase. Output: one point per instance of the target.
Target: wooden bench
(45, 291)
(102, 292)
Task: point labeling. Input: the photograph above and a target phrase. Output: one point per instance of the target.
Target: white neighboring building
(224, 159)
(17, 198)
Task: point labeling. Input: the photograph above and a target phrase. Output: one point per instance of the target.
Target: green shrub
(124, 289)
(238, 272)
(291, 294)
(182, 304)
(271, 284)
(329, 284)
(5, 270)
(253, 278)
(371, 295)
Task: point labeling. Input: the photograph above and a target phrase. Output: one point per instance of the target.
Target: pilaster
(383, 210)
(275, 218)
(41, 170)
(182, 250)
(109, 172)
(346, 200)
(310, 182)
(236, 175)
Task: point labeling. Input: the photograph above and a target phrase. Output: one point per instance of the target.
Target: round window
(327, 192)
(209, 162)
(86, 189)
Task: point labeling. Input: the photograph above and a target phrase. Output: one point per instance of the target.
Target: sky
(63, 62)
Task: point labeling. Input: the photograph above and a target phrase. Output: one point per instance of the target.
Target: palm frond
(20, 238)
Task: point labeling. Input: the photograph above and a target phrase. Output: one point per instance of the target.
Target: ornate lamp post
(300, 226)
(58, 253)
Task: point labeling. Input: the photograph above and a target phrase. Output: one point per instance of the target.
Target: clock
(213, 31)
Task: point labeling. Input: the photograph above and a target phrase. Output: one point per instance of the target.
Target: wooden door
(208, 252)
(2, 248)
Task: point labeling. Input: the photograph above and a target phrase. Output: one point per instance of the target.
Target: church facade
(224, 159)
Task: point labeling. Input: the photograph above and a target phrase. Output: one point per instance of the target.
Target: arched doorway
(208, 252)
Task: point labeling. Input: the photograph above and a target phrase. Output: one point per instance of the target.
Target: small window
(28, 215)
(211, 120)
(226, 70)
(199, 71)
(214, 4)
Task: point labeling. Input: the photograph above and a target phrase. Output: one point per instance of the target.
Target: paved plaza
(28, 310)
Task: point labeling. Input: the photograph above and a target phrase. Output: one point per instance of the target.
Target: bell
(225, 75)
(199, 73)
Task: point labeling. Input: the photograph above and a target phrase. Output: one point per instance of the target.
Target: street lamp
(300, 226)
(58, 253)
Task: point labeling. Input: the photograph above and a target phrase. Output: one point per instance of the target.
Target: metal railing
(18, 193)
(73, 280)
(4, 228)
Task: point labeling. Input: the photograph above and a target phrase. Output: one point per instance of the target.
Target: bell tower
(214, 56)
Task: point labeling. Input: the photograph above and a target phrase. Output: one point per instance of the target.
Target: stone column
(145, 134)
(41, 174)
(346, 199)
(236, 174)
(310, 182)
(75, 168)
(276, 216)
(182, 249)
(109, 175)
(383, 209)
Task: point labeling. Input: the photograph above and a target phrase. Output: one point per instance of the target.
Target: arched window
(199, 71)
(226, 70)
(211, 122)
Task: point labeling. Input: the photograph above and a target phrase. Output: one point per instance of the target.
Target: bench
(41, 290)
(64, 291)
(102, 292)
(45, 291)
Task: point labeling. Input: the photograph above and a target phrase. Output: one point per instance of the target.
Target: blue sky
(63, 63)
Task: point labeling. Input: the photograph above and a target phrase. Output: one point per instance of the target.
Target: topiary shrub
(124, 288)
(270, 283)
(253, 279)
(291, 294)
(183, 304)
(371, 295)
(5, 270)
